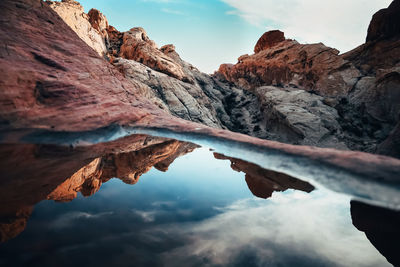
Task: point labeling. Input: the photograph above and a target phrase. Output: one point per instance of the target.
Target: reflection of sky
(200, 212)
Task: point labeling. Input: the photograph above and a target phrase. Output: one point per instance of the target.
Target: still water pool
(176, 204)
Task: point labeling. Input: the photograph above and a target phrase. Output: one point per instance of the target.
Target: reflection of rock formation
(12, 223)
(31, 173)
(381, 226)
(126, 166)
(261, 182)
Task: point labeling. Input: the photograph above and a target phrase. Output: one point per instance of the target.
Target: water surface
(169, 203)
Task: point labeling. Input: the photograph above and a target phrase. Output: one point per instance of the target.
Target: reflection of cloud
(290, 229)
(339, 23)
(66, 220)
(272, 233)
(147, 216)
(164, 203)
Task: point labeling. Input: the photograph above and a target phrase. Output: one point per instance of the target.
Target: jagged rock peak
(166, 49)
(385, 24)
(97, 20)
(268, 40)
(91, 28)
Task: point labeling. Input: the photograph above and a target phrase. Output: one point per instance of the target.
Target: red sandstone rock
(312, 67)
(268, 40)
(136, 45)
(385, 23)
(61, 84)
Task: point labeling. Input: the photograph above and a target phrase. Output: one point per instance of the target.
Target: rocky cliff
(286, 91)
(360, 88)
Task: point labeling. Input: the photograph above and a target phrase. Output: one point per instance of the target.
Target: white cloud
(341, 24)
(172, 11)
(326, 232)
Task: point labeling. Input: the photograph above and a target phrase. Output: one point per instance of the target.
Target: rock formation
(363, 85)
(356, 90)
(261, 182)
(89, 27)
(385, 23)
(268, 40)
(31, 173)
(286, 63)
(381, 226)
(60, 91)
(127, 166)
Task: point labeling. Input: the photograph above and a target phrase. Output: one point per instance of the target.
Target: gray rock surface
(286, 91)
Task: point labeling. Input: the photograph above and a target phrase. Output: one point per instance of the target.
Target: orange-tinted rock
(268, 40)
(136, 45)
(126, 166)
(14, 223)
(97, 20)
(312, 67)
(61, 86)
(73, 14)
(31, 173)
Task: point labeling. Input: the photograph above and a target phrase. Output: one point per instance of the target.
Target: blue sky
(208, 33)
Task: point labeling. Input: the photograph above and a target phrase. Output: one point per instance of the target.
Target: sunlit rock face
(381, 226)
(89, 27)
(365, 101)
(261, 182)
(171, 84)
(363, 85)
(284, 62)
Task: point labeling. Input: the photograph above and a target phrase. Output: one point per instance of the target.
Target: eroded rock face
(312, 67)
(89, 27)
(268, 40)
(385, 23)
(299, 117)
(362, 85)
(136, 45)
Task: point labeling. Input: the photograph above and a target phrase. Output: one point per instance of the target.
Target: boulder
(268, 40)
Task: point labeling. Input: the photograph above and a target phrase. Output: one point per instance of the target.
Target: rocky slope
(362, 86)
(62, 91)
(314, 96)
